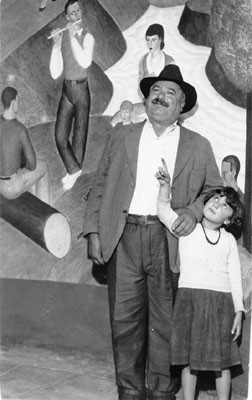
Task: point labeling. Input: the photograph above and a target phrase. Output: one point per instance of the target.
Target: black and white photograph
(125, 199)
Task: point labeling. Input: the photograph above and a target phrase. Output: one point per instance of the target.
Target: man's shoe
(42, 5)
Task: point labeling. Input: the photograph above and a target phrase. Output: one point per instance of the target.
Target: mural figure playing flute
(71, 55)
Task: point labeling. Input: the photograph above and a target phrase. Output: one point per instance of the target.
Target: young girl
(208, 307)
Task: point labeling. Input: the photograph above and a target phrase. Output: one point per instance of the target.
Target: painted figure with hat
(123, 230)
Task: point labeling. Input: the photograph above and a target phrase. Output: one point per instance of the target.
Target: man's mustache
(160, 101)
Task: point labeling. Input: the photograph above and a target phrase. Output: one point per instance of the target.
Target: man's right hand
(94, 249)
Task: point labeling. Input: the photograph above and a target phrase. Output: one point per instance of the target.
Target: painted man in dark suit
(123, 230)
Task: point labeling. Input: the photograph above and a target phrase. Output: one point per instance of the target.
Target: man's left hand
(185, 223)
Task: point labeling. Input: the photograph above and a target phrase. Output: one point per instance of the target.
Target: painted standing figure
(207, 317)
(153, 62)
(123, 230)
(72, 55)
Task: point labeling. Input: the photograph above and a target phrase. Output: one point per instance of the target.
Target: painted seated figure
(153, 62)
(20, 170)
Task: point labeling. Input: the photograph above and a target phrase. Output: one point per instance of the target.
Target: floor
(42, 374)
(28, 373)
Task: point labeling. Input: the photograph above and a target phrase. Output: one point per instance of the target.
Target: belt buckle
(145, 221)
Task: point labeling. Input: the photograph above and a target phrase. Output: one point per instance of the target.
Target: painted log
(39, 221)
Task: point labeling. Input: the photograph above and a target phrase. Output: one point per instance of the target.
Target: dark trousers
(140, 299)
(74, 109)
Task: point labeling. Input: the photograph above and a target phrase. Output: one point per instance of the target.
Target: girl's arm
(234, 269)
(237, 325)
(165, 213)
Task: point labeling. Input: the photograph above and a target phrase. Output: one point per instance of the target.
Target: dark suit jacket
(113, 186)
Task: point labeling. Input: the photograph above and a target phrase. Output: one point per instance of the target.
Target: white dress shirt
(151, 149)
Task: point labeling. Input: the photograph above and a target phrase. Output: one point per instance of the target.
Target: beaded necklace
(207, 239)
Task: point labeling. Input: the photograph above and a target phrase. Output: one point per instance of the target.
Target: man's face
(153, 42)
(73, 12)
(227, 174)
(165, 102)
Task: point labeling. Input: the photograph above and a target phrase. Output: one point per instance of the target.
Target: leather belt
(75, 81)
(142, 220)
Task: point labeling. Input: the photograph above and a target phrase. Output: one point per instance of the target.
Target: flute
(63, 29)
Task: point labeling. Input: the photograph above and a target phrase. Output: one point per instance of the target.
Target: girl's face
(153, 42)
(217, 211)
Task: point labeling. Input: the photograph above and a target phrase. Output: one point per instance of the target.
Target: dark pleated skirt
(201, 336)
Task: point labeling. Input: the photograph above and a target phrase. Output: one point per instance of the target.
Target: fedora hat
(172, 73)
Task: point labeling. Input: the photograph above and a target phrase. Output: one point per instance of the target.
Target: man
(230, 168)
(20, 171)
(123, 230)
(72, 55)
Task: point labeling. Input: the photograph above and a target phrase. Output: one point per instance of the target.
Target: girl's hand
(237, 325)
(163, 175)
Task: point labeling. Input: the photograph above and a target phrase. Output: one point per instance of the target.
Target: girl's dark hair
(236, 224)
